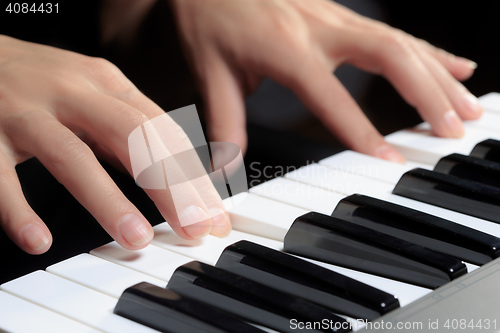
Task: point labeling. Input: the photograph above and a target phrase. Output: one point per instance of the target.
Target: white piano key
(72, 300)
(469, 221)
(490, 102)
(207, 249)
(337, 180)
(369, 166)
(100, 274)
(406, 293)
(298, 194)
(418, 144)
(21, 316)
(326, 207)
(152, 260)
(384, 193)
(488, 121)
(261, 216)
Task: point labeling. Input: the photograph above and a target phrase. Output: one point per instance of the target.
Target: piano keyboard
(79, 294)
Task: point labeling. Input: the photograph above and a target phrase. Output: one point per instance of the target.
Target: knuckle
(130, 117)
(66, 148)
(108, 75)
(292, 32)
(14, 217)
(18, 123)
(96, 63)
(11, 222)
(397, 42)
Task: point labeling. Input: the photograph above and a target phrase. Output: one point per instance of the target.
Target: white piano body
(79, 294)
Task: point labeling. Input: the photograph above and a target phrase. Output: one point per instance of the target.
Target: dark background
(157, 66)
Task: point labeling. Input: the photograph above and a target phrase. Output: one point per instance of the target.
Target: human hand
(233, 44)
(56, 105)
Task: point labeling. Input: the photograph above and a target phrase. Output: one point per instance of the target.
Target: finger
(180, 145)
(459, 67)
(325, 96)
(466, 104)
(226, 121)
(112, 121)
(224, 102)
(225, 113)
(102, 152)
(74, 165)
(21, 224)
(402, 66)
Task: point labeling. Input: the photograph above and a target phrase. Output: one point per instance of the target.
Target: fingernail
(472, 64)
(135, 230)
(453, 124)
(472, 103)
(35, 237)
(220, 222)
(195, 221)
(388, 153)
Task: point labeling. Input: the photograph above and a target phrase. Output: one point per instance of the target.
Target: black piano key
(447, 191)
(488, 150)
(301, 278)
(167, 311)
(471, 168)
(250, 300)
(420, 228)
(343, 243)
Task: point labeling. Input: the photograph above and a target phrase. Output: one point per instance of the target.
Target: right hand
(299, 44)
(56, 105)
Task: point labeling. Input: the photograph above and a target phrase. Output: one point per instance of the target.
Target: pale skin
(65, 108)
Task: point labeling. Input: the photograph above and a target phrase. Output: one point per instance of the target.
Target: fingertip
(471, 108)
(198, 230)
(135, 231)
(221, 224)
(195, 222)
(36, 239)
(464, 68)
(471, 64)
(451, 126)
(389, 153)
